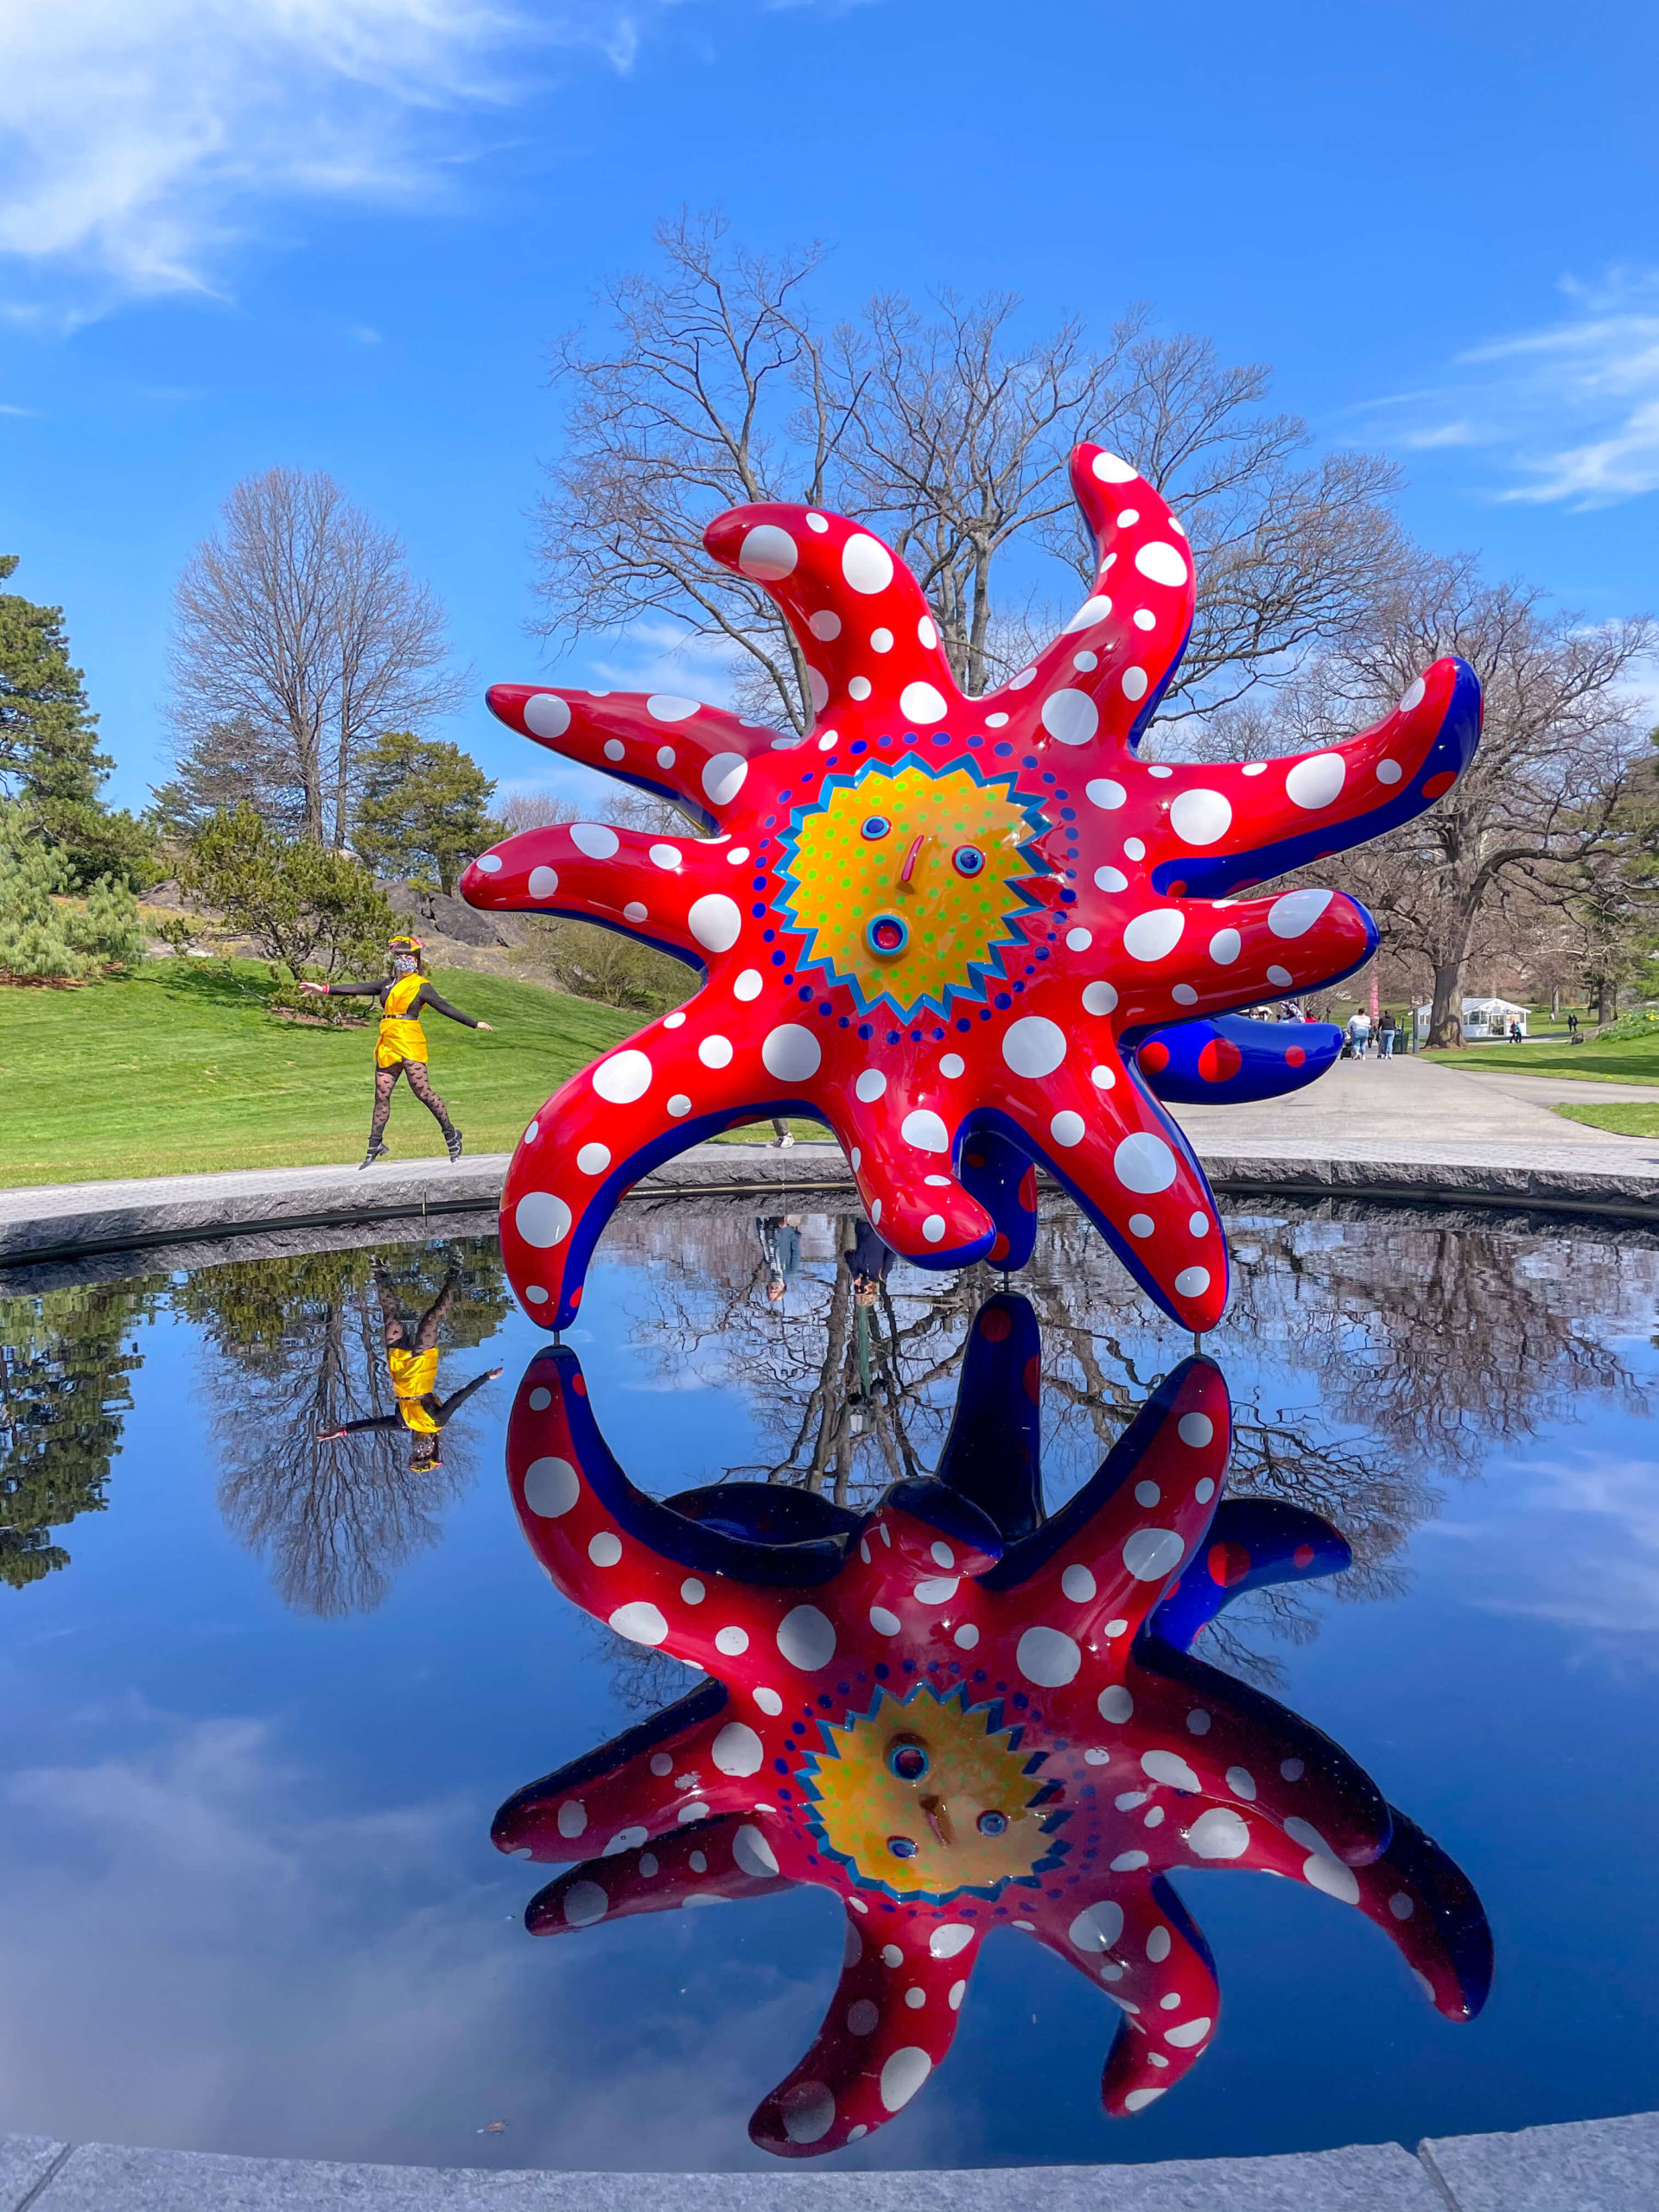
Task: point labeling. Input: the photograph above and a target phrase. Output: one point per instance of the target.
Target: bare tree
(299, 625)
(947, 432)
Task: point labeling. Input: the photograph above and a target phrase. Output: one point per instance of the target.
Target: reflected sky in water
(253, 1731)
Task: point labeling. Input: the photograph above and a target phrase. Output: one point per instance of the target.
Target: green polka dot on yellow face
(905, 882)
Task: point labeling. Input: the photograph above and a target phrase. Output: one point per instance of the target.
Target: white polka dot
(737, 1749)
(551, 1488)
(1200, 817)
(862, 2017)
(1151, 1553)
(949, 1940)
(1100, 998)
(540, 1399)
(1071, 717)
(573, 1818)
(951, 1065)
(807, 1638)
(1162, 773)
(892, 1955)
(669, 707)
(665, 756)
(1184, 995)
(1388, 771)
(640, 1622)
(1146, 1493)
(881, 641)
(532, 1133)
(769, 1701)
(715, 921)
(1134, 849)
(1126, 518)
(927, 632)
(615, 748)
(922, 704)
(1142, 1224)
(1242, 1783)
(622, 1079)
(1401, 1905)
(1047, 1657)
(1196, 1429)
(1145, 619)
(605, 1549)
(1138, 2100)
(547, 714)
(933, 1229)
(715, 1052)
(995, 722)
(1144, 1162)
(1169, 1767)
(806, 2108)
(903, 2074)
(1296, 912)
(675, 1020)
(584, 1903)
(967, 1636)
(1412, 697)
(679, 1106)
(1161, 563)
(593, 1158)
(1093, 610)
(1154, 936)
(1078, 1585)
(542, 1220)
(1067, 1129)
(1079, 940)
(544, 882)
(791, 1053)
(867, 564)
(883, 1622)
(1189, 2033)
(736, 857)
(731, 1641)
(817, 685)
(1193, 1282)
(596, 839)
(1316, 780)
(1135, 683)
(870, 1085)
(1158, 1944)
(748, 985)
(1105, 794)
(1127, 1862)
(1019, 682)
(534, 1294)
(1033, 1046)
(634, 912)
(817, 522)
(826, 623)
(1291, 1770)
(859, 687)
(692, 1591)
(753, 1854)
(1110, 878)
(1115, 1703)
(925, 1131)
(1096, 1928)
(1110, 469)
(767, 553)
(1280, 975)
(722, 777)
(1225, 947)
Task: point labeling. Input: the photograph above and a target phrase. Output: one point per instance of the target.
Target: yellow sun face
(925, 1798)
(905, 882)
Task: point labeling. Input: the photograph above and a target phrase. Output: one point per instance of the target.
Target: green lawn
(181, 1068)
(1630, 1059)
(1626, 1117)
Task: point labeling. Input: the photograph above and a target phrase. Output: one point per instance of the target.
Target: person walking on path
(412, 1368)
(400, 1048)
(1572, 1028)
(1385, 1034)
(1359, 1032)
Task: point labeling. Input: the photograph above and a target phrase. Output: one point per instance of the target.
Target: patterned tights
(420, 1083)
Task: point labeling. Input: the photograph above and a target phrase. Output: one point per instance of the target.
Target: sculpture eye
(875, 825)
(909, 1761)
(902, 1847)
(887, 934)
(968, 859)
(992, 1823)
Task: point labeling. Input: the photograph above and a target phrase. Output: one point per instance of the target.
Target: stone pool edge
(1595, 2166)
(70, 1221)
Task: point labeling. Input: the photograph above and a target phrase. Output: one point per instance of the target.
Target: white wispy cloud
(137, 144)
(1566, 413)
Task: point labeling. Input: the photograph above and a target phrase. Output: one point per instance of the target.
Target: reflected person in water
(413, 1365)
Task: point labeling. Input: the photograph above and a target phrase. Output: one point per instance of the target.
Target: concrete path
(1409, 1129)
(1601, 2165)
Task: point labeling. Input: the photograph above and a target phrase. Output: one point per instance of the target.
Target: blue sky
(340, 233)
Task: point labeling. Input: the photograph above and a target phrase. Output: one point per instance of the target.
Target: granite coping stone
(104, 2177)
(1584, 2165)
(68, 1221)
(25, 2162)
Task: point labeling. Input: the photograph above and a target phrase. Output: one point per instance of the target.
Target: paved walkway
(1599, 2165)
(1405, 1129)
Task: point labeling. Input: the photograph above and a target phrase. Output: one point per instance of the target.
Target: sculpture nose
(911, 857)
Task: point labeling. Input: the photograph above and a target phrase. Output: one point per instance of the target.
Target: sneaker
(454, 1142)
(375, 1152)
(783, 1143)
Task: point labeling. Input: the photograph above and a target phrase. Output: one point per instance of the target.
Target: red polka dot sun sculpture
(948, 926)
(962, 1717)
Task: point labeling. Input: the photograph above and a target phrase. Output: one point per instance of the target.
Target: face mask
(403, 965)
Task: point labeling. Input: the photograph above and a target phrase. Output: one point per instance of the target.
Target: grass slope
(181, 1068)
(1623, 1059)
(1625, 1117)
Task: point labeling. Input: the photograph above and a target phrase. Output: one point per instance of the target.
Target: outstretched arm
(444, 1409)
(429, 997)
(359, 1427)
(349, 990)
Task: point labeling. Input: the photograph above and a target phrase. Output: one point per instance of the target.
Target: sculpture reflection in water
(961, 1715)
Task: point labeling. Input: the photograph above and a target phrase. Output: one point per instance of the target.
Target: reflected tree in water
(295, 1349)
(65, 1357)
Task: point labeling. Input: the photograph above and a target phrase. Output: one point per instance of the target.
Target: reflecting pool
(276, 1646)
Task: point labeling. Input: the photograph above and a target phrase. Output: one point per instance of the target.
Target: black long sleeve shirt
(426, 996)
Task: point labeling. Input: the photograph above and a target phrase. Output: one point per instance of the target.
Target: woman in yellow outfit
(401, 1048)
(412, 1369)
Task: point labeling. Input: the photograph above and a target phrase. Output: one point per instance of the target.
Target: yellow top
(413, 1376)
(401, 1037)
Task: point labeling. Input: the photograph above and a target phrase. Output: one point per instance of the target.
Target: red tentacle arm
(695, 755)
(673, 891)
(892, 2020)
(897, 1130)
(719, 1863)
(1100, 679)
(856, 612)
(1134, 1941)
